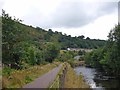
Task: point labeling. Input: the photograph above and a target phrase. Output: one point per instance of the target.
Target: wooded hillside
(33, 45)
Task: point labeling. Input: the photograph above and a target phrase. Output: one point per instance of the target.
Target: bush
(7, 71)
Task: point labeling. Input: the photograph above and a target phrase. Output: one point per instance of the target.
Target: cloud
(58, 13)
(119, 11)
(99, 29)
(74, 17)
(77, 14)
(1, 5)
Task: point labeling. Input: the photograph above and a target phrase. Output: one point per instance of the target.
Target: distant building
(68, 49)
(73, 49)
(78, 49)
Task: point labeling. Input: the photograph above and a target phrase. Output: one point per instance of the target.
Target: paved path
(45, 80)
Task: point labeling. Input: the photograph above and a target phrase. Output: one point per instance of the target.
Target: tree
(114, 50)
(51, 51)
(50, 32)
(81, 37)
(10, 34)
(107, 58)
(88, 38)
(80, 52)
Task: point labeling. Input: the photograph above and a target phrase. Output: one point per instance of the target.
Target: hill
(33, 45)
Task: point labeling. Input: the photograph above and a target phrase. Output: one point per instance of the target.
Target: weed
(27, 79)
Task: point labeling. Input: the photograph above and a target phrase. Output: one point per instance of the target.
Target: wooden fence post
(62, 77)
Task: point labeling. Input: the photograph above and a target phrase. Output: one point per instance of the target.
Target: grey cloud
(77, 14)
(72, 14)
(108, 7)
(119, 12)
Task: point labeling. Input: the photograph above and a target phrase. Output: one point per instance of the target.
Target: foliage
(81, 52)
(7, 71)
(23, 44)
(65, 56)
(51, 51)
(92, 58)
(9, 37)
(107, 58)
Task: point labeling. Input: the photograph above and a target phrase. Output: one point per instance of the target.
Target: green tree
(51, 51)
(81, 37)
(10, 34)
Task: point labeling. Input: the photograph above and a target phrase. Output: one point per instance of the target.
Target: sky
(91, 18)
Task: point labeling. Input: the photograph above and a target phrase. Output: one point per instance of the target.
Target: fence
(60, 79)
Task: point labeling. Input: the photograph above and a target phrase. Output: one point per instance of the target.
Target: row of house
(78, 49)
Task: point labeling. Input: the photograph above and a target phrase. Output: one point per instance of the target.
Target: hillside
(65, 41)
(27, 44)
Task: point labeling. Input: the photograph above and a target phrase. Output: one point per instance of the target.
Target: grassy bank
(19, 78)
(0, 77)
(74, 81)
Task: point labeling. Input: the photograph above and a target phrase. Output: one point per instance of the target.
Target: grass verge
(74, 81)
(19, 78)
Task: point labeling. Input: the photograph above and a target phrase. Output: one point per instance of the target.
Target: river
(96, 79)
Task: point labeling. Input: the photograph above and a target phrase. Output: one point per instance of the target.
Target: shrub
(7, 71)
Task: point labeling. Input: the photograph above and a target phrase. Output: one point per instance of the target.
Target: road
(45, 80)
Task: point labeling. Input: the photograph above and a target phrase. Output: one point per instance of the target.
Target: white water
(89, 74)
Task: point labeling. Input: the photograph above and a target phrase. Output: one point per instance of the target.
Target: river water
(96, 79)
